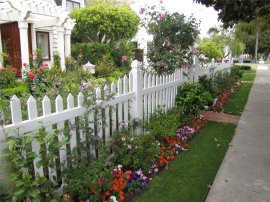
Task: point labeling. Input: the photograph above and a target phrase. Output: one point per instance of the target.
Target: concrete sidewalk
(244, 175)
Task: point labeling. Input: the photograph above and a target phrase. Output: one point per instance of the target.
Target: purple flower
(73, 126)
(101, 181)
(141, 11)
(156, 170)
(129, 147)
(58, 84)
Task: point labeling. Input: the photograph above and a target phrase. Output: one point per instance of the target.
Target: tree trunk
(257, 44)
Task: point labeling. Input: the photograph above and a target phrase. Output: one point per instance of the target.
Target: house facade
(28, 25)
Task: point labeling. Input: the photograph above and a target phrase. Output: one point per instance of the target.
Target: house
(26, 25)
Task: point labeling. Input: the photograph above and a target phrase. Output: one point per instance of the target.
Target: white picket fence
(136, 96)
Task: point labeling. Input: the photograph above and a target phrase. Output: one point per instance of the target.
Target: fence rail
(136, 96)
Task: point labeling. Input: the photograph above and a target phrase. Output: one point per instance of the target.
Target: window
(71, 5)
(43, 44)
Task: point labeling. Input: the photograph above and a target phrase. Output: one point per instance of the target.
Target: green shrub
(162, 124)
(207, 84)
(236, 72)
(7, 77)
(191, 97)
(135, 152)
(105, 66)
(243, 67)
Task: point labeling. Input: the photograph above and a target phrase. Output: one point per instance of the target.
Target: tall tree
(234, 11)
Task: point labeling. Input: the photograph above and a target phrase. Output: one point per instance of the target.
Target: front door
(10, 35)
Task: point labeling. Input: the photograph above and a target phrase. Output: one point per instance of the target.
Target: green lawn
(238, 100)
(190, 175)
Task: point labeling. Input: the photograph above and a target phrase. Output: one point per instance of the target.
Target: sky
(207, 16)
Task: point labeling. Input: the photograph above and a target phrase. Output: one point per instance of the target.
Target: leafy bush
(7, 77)
(243, 67)
(104, 67)
(135, 152)
(207, 84)
(191, 97)
(162, 124)
(236, 73)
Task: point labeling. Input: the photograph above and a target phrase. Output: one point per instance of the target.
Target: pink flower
(101, 181)
(41, 68)
(141, 11)
(129, 147)
(24, 64)
(14, 70)
(162, 16)
(31, 75)
(45, 65)
(161, 1)
(2, 68)
(124, 58)
(67, 197)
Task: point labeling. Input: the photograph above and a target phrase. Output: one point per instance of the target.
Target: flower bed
(132, 175)
(224, 97)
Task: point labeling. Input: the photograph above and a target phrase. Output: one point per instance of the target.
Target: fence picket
(145, 86)
(125, 102)
(15, 107)
(113, 109)
(107, 114)
(153, 95)
(120, 105)
(46, 109)
(73, 138)
(32, 114)
(149, 97)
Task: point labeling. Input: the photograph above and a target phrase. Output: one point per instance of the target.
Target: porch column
(67, 42)
(61, 47)
(1, 52)
(23, 29)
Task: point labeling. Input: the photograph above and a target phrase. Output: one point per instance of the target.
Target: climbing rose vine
(173, 38)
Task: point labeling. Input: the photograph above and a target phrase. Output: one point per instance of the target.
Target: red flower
(124, 58)
(45, 65)
(101, 181)
(24, 64)
(67, 196)
(31, 75)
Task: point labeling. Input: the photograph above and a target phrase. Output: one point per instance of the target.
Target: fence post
(137, 104)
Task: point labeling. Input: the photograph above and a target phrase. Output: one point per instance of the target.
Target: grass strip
(190, 174)
(238, 100)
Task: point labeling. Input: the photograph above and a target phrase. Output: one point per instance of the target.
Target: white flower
(132, 138)
(123, 139)
(119, 166)
(113, 198)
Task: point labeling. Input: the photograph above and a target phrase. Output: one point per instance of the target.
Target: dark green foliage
(243, 67)
(234, 11)
(173, 35)
(163, 124)
(207, 84)
(135, 152)
(191, 97)
(7, 77)
(236, 73)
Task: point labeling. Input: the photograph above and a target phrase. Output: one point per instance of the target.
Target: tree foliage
(104, 23)
(234, 11)
(210, 49)
(173, 38)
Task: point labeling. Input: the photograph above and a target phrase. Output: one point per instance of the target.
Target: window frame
(48, 39)
(73, 3)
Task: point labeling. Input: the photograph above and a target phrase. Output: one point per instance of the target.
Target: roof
(35, 11)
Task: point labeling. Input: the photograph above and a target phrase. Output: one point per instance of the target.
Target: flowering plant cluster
(7, 77)
(139, 158)
(173, 37)
(224, 97)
